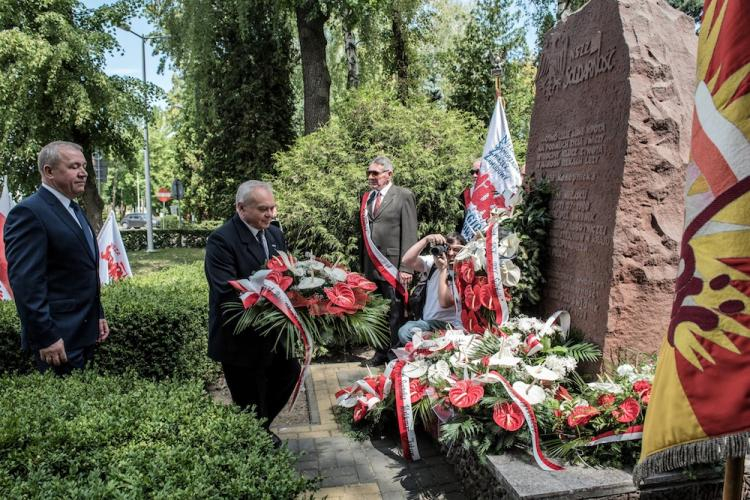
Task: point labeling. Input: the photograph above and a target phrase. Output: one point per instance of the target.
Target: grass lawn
(143, 262)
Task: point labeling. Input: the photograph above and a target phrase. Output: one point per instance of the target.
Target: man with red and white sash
(388, 220)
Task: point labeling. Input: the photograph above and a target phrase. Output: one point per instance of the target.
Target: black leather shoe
(276, 440)
(379, 358)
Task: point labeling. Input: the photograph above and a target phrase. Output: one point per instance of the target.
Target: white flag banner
(113, 260)
(499, 180)
(6, 203)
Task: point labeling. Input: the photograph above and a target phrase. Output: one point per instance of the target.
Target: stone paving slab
(367, 470)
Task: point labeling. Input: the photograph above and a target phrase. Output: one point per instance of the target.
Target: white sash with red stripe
(384, 266)
(494, 274)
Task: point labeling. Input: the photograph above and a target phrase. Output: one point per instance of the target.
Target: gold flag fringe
(715, 449)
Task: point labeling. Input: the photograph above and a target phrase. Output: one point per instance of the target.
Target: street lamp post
(146, 156)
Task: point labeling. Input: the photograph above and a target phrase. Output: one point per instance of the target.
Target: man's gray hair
(384, 162)
(50, 154)
(245, 191)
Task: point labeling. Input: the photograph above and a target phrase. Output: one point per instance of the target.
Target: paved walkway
(365, 470)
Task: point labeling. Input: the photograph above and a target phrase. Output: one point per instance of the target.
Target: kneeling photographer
(438, 307)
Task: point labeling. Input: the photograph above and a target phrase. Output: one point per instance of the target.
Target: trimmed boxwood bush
(94, 436)
(166, 238)
(158, 327)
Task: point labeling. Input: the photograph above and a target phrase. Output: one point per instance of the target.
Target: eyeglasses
(375, 173)
(474, 172)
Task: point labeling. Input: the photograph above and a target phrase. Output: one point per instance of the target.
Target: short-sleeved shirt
(432, 308)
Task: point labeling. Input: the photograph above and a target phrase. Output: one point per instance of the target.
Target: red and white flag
(113, 260)
(6, 203)
(499, 179)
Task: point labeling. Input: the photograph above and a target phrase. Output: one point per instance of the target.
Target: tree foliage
(53, 87)
(236, 99)
(320, 180)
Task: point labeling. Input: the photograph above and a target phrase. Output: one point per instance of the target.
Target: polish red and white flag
(113, 260)
(6, 203)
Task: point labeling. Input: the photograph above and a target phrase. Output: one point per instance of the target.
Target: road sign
(164, 195)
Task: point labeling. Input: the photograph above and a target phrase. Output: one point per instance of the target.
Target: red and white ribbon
(630, 434)
(528, 415)
(562, 317)
(494, 273)
(384, 266)
(404, 414)
(257, 286)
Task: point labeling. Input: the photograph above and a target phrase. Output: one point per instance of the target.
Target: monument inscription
(595, 135)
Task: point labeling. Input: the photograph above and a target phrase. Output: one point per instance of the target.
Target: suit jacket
(54, 276)
(393, 230)
(232, 252)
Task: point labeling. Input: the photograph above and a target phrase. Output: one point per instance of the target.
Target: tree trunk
(352, 62)
(401, 58)
(91, 202)
(315, 77)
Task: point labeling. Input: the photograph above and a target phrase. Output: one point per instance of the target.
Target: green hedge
(94, 436)
(135, 239)
(158, 327)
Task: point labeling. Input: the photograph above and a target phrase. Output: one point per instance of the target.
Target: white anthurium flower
(504, 358)
(541, 373)
(509, 273)
(315, 265)
(625, 370)
(487, 378)
(335, 274)
(417, 340)
(508, 246)
(310, 282)
(416, 369)
(458, 360)
(439, 343)
(530, 392)
(439, 373)
(606, 387)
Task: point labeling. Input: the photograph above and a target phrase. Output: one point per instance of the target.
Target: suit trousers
(265, 385)
(395, 315)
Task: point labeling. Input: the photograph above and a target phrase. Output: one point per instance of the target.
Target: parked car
(136, 220)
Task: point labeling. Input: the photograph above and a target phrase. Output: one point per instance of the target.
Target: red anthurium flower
(283, 281)
(470, 321)
(465, 394)
(471, 300)
(508, 416)
(359, 281)
(360, 410)
(627, 411)
(342, 296)
(316, 305)
(562, 394)
(276, 264)
(417, 389)
(480, 280)
(360, 298)
(467, 272)
(606, 400)
(486, 295)
(581, 415)
(643, 389)
(297, 299)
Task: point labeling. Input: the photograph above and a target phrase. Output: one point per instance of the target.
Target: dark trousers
(266, 385)
(395, 315)
(77, 360)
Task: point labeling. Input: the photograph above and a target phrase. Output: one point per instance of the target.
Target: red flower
(643, 389)
(606, 400)
(627, 411)
(284, 282)
(276, 264)
(470, 321)
(342, 296)
(581, 415)
(466, 272)
(465, 394)
(360, 298)
(416, 388)
(486, 295)
(316, 305)
(506, 292)
(562, 394)
(471, 300)
(508, 416)
(480, 280)
(297, 299)
(359, 281)
(360, 410)
(485, 361)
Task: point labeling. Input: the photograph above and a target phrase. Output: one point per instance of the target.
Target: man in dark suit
(53, 265)
(256, 374)
(391, 213)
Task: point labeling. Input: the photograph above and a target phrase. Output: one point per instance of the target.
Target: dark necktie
(378, 200)
(263, 242)
(84, 225)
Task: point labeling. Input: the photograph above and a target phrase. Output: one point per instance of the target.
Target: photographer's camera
(438, 249)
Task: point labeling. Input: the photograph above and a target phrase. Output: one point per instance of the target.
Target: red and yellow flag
(700, 404)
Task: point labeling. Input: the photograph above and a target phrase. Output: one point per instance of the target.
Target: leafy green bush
(94, 436)
(320, 180)
(158, 327)
(166, 238)
(169, 222)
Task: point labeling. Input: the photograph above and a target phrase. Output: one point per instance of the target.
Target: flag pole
(497, 74)
(733, 478)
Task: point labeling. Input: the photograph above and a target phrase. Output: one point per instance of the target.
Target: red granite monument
(611, 130)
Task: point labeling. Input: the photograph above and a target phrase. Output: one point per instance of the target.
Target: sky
(128, 61)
